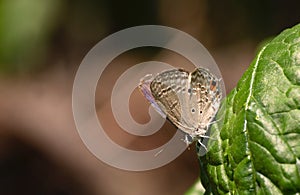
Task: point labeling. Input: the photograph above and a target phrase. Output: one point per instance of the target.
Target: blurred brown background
(42, 43)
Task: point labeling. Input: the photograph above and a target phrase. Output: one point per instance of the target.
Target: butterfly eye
(193, 110)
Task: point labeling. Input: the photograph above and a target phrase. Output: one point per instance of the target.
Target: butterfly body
(189, 100)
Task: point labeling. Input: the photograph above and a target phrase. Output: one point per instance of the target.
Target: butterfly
(190, 100)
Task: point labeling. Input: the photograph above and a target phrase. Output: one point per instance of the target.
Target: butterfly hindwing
(207, 98)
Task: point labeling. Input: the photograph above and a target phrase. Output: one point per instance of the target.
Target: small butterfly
(189, 100)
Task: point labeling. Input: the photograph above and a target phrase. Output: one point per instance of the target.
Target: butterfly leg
(188, 139)
(206, 136)
(199, 141)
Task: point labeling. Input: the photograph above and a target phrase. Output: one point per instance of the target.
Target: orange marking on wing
(213, 85)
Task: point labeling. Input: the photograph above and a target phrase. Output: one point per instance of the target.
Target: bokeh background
(42, 43)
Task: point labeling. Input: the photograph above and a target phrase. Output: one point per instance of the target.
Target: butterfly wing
(189, 100)
(204, 99)
(169, 89)
(144, 87)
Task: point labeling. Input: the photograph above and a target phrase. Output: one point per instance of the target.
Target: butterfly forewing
(168, 89)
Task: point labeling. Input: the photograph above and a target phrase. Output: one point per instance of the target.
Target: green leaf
(196, 189)
(256, 149)
(25, 26)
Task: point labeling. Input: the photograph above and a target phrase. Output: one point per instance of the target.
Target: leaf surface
(256, 149)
